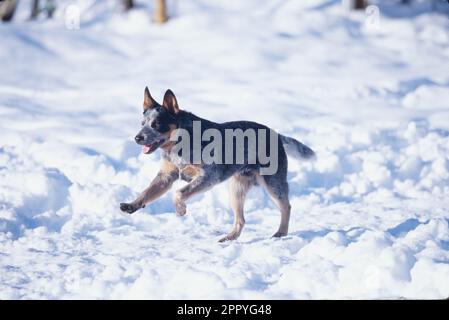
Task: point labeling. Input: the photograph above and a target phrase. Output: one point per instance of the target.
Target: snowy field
(370, 218)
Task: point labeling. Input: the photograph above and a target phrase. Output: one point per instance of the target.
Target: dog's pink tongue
(146, 149)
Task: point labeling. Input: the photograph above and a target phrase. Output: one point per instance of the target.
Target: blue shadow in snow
(325, 5)
(117, 165)
(310, 234)
(34, 43)
(404, 227)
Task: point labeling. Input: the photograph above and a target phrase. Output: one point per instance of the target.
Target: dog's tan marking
(200, 184)
(180, 205)
(238, 188)
(191, 171)
(169, 144)
(167, 174)
(283, 204)
(168, 167)
(148, 100)
(170, 102)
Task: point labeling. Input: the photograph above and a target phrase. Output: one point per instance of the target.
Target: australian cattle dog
(204, 153)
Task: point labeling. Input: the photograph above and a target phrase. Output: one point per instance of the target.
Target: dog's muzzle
(149, 147)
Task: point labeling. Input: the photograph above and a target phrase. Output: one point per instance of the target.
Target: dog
(159, 124)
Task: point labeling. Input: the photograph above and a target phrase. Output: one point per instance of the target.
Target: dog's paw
(279, 234)
(127, 207)
(179, 203)
(230, 237)
(181, 209)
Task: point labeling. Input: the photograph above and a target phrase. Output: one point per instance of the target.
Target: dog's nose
(138, 138)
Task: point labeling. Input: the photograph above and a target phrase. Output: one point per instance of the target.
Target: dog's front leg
(160, 185)
(201, 183)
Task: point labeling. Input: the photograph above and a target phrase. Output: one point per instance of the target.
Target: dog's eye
(143, 122)
(154, 124)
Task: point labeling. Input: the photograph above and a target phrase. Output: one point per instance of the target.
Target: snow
(370, 217)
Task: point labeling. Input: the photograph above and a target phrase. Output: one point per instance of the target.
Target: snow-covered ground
(370, 218)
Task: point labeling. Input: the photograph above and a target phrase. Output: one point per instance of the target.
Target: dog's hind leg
(277, 187)
(239, 186)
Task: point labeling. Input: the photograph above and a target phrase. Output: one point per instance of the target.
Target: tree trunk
(50, 8)
(7, 9)
(359, 4)
(160, 11)
(128, 4)
(349, 5)
(34, 9)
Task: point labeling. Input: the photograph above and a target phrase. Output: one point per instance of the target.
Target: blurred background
(298, 55)
(162, 9)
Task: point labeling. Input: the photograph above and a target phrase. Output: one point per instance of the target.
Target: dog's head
(158, 121)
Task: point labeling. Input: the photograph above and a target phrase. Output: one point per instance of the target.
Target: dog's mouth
(148, 148)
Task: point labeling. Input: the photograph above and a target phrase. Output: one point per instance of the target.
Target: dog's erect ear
(170, 102)
(148, 101)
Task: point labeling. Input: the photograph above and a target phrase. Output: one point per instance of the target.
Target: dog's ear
(148, 101)
(170, 102)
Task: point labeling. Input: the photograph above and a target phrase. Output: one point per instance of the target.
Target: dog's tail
(296, 149)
